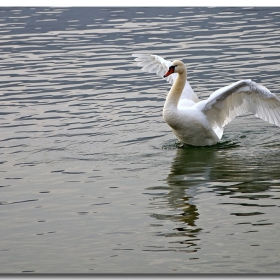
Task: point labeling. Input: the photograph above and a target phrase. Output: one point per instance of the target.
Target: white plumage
(201, 123)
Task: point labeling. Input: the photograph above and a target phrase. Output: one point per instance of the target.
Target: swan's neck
(176, 90)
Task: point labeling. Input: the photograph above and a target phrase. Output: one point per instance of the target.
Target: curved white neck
(176, 90)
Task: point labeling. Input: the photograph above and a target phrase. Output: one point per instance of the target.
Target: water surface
(93, 180)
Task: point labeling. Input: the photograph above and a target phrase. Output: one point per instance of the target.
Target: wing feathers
(239, 98)
(154, 64)
(158, 65)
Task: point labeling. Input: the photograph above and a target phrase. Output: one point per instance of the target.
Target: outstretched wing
(155, 64)
(241, 97)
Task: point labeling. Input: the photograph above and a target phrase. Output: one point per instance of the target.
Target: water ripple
(84, 149)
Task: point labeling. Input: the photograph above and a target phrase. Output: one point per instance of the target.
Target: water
(93, 180)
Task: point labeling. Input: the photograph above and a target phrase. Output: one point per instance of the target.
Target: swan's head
(177, 66)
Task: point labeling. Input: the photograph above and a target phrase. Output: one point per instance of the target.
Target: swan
(201, 122)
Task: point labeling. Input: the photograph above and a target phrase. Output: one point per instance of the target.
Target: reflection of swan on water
(189, 170)
(201, 123)
(202, 178)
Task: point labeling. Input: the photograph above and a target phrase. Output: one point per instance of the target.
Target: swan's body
(201, 123)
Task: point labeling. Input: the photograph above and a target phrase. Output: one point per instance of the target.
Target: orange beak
(169, 72)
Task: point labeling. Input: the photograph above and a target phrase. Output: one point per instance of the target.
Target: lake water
(93, 180)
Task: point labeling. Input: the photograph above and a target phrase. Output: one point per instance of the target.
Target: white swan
(201, 123)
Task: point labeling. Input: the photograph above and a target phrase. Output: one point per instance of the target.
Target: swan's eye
(170, 71)
(173, 67)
